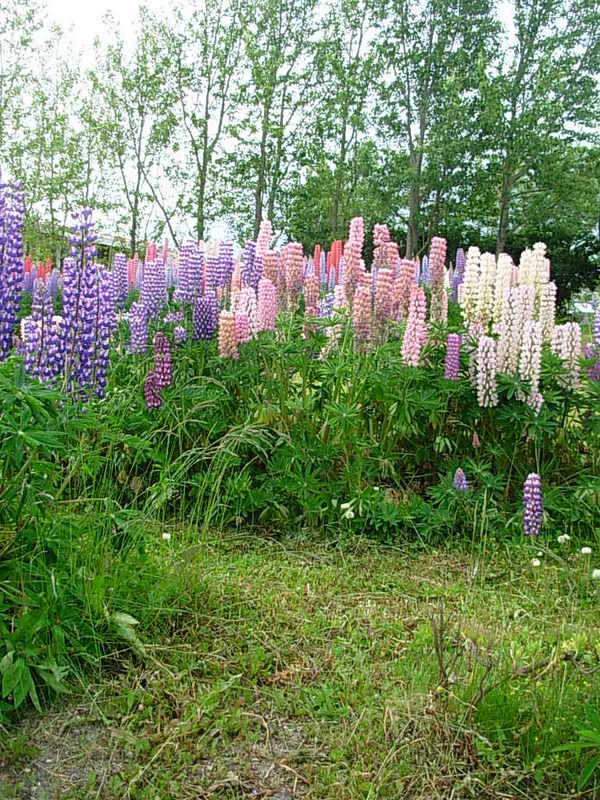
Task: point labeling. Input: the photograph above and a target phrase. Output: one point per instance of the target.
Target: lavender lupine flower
(105, 325)
(138, 330)
(205, 316)
(37, 330)
(179, 334)
(151, 391)
(248, 261)
(532, 505)
(154, 288)
(190, 272)
(452, 357)
(120, 270)
(225, 263)
(11, 261)
(28, 283)
(212, 272)
(460, 481)
(173, 316)
(52, 283)
(459, 273)
(163, 370)
(80, 298)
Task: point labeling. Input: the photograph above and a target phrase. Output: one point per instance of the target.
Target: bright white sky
(84, 16)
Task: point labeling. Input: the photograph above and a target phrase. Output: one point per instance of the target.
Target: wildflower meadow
(299, 400)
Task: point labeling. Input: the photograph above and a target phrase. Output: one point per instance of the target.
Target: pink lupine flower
(437, 258)
(292, 260)
(361, 318)
(263, 240)
(383, 296)
(242, 329)
(415, 332)
(311, 291)
(270, 266)
(405, 283)
(226, 335)
(352, 268)
(267, 305)
(487, 394)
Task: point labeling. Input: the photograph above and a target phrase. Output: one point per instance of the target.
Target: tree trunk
(504, 208)
(412, 233)
(260, 178)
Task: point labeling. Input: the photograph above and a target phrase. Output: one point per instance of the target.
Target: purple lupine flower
(36, 331)
(138, 331)
(190, 272)
(248, 255)
(425, 271)
(325, 306)
(460, 481)
(532, 505)
(163, 369)
(173, 316)
(225, 269)
(151, 391)
(596, 328)
(28, 283)
(52, 283)
(205, 316)
(154, 288)
(179, 334)
(122, 279)
(212, 272)
(105, 325)
(11, 261)
(256, 271)
(452, 357)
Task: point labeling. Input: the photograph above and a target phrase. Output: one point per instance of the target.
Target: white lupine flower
(503, 283)
(548, 310)
(487, 281)
(530, 362)
(487, 394)
(470, 285)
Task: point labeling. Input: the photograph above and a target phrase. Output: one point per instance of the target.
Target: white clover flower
(345, 506)
(563, 538)
(166, 536)
(586, 551)
(540, 553)
(376, 488)
(536, 562)
(349, 514)
(596, 574)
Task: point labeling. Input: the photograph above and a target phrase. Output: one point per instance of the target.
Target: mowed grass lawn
(302, 668)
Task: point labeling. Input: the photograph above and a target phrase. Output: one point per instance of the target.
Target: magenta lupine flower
(532, 505)
(179, 334)
(415, 332)
(163, 368)
(452, 357)
(152, 391)
(460, 481)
